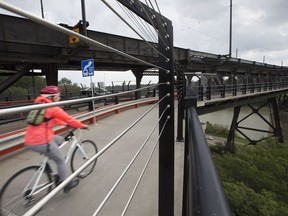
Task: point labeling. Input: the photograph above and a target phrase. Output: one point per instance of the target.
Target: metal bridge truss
(273, 123)
(211, 98)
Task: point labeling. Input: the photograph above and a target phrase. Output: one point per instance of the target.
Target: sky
(259, 28)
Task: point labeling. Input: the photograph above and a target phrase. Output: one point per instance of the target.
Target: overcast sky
(259, 32)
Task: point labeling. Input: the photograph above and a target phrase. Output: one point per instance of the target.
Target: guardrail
(202, 190)
(14, 142)
(221, 91)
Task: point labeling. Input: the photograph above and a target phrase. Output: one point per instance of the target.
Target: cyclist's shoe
(74, 183)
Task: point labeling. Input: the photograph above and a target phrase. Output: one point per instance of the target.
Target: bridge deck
(91, 191)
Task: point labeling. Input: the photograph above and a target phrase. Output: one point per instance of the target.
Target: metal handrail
(13, 110)
(17, 139)
(221, 91)
(202, 190)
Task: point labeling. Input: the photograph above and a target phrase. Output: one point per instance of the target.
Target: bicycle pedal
(30, 201)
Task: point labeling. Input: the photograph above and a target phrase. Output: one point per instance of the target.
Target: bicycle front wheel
(81, 155)
(17, 196)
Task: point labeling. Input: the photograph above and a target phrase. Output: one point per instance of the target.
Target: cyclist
(42, 139)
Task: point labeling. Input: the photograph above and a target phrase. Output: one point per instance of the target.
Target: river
(224, 118)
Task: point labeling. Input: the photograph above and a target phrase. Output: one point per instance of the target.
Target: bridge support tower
(138, 73)
(51, 73)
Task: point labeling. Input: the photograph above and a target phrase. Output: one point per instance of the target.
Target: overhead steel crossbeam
(207, 62)
(72, 33)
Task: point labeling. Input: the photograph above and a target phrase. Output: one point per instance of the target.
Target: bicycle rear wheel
(15, 195)
(78, 157)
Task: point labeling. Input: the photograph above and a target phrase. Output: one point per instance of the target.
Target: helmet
(50, 90)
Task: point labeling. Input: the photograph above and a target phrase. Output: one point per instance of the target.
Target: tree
(255, 178)
(29, 87)
(64, 81)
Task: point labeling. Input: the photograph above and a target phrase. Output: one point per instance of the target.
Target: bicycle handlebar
(71, 133)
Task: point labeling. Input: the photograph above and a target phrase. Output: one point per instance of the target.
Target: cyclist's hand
(85, 127)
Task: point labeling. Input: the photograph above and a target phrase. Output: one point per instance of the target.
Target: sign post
(87, 67)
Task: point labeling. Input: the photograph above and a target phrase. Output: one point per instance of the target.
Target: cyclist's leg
(58, 139)
(56, 155)
(42, 149)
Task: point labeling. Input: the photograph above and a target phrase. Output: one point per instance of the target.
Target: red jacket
(43, 134)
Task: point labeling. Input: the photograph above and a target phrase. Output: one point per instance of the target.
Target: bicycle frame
(31, 184)
(38, 188)
(75, 143)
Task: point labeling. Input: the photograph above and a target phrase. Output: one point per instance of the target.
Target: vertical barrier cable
(132, 28)
(148, 32)
(151, 22)
(149, 26)
(160, 19)
(127, 168)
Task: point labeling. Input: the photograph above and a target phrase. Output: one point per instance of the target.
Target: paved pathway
(85, 199)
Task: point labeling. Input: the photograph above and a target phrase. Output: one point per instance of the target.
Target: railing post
(167, 140)
(113, 88)
(223, 91)
(260, 87)
(208, 93)
(116, 100)
(181, 94)
(234, 89)
(270, 86)
(123, 86)
(200, 92)
(252, 88)
(154, 93)
(265, 86)
(244, 90)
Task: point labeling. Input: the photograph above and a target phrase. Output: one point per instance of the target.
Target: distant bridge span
(26, 45)
(24, 42)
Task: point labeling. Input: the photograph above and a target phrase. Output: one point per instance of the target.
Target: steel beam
(234, 125)
(276, 117)
(51, 73)
(12, 79)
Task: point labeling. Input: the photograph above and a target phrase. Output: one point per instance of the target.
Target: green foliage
(255, 179)
(218, 148)
(215, 129)
(221, 131)
(72, 89)
(31, 86)
(26, 82)
(65, 81)
(245, 201)
(23, 87)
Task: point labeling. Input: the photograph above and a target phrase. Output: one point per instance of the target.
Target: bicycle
(29, 185)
